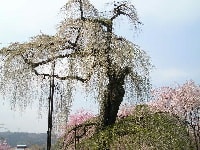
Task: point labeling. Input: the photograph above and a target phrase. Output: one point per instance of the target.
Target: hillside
(15, 138)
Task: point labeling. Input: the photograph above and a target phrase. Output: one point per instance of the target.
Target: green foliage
(142, 130)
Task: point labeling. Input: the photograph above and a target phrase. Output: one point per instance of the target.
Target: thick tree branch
(73, 45)
(61, 78)
(124, 72)
(34, 65)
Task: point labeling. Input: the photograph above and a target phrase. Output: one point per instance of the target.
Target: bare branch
(127, 10)
(118, 11)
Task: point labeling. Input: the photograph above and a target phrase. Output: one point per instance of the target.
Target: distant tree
(84, 49)
(179, 100)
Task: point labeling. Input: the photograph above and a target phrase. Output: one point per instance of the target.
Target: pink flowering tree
(4, 145)
(79, 117)
(178, 100)
(182, 101)
(77, 127)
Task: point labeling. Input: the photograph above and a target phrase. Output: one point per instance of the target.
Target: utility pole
(50, 107)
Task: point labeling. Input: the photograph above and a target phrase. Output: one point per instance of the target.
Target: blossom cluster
(79, 117)
(179, 100)
(125, 110)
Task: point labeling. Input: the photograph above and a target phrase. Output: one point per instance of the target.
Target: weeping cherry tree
(84, 50)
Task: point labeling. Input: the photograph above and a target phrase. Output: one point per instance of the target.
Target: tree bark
(113, 96)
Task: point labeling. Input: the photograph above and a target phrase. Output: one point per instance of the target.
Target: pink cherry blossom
(79, 117)
(75, 119)
(178, 100)
(4, 145)
(125, 110)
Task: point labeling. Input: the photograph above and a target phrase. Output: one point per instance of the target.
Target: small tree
(85, 49)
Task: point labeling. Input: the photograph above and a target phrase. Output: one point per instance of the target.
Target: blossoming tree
(182, 101)
(179, 100)
(85, 49)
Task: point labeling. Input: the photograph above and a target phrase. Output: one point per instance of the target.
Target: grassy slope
(142, 131)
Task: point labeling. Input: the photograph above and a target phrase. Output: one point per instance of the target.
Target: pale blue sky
(170, 35)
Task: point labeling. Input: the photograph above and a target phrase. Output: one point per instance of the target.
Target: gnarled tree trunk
(113, 96)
